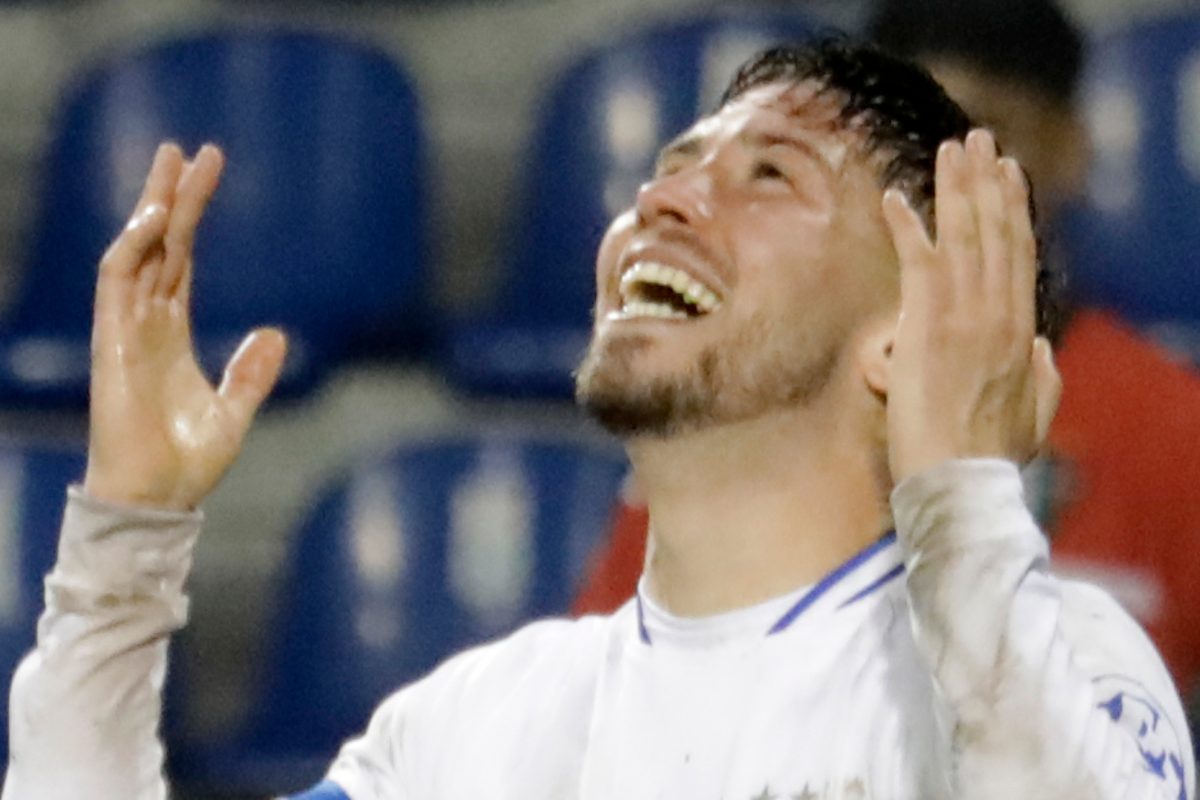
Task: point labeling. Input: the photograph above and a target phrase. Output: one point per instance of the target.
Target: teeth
(641, 308)
(693, 291)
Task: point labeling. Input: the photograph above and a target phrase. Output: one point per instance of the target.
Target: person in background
(1116, 487)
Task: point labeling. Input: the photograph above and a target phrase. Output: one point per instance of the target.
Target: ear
(875, 355)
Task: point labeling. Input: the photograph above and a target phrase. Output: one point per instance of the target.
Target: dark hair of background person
(1030, 41)
(905, 114)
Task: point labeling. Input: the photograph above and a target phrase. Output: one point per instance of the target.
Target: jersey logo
(1131, 707)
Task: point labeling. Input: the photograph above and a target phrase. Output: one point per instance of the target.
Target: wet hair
(1028, 41)
(904, 114)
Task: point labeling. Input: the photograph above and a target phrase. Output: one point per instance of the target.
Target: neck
(743, 513)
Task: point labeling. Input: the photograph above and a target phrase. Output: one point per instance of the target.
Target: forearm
(1022, 692)
(85, 704)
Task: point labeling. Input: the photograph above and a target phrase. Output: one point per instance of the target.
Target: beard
(747, 377)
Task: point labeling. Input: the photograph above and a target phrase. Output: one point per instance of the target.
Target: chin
(629, 403)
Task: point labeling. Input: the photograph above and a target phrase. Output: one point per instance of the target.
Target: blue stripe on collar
(829, 581)
(643, 632)
(881, 581)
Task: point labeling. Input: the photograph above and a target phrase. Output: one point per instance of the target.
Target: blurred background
(414, 189)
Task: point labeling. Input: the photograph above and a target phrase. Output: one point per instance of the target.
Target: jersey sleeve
(1049, 689)
(85, 703)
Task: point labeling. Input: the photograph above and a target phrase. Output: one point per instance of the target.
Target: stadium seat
(316, 227)
(598, 132)
(1137, 237)
(411, 556)
(33, 484)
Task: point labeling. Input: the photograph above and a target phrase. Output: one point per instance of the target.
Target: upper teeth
(692, 290)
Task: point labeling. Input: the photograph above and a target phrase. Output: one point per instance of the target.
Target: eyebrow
(687, 144)
(766, 139)
(690, 144)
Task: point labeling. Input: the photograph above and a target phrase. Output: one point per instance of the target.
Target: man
(1116, 487)
(797, 367)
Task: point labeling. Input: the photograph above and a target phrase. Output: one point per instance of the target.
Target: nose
(683, 196)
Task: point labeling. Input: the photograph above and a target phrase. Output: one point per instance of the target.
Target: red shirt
(1120, 489)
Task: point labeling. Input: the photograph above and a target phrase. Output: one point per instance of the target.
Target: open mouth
(658, 291)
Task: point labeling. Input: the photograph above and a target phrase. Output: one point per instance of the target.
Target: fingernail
(894, 195)
(1012, 171)
(957, 155)
(950, 152)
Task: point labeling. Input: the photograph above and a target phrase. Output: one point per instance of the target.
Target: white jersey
(941, 662)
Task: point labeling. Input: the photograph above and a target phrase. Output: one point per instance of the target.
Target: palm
(970, 378)
(161, 434)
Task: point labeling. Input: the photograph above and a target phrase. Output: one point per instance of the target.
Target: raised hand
(968, 375)
(160, 434)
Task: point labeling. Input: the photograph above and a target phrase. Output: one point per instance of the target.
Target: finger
(957, 230)
(1024, 243)
(251, 374)
(1047, 388)
(914, 249)
(143, 232)
(127, 252)
(192, 195)
(136, 246)
(988, 191)
(159, 188)
(907, 228)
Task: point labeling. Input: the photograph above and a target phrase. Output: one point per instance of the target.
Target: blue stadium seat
(317, 225)
(599, 130)
(33, 484)
(1136, 239)
(411, 556)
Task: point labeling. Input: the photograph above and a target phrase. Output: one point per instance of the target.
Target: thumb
(251, 374)
(1047, 388)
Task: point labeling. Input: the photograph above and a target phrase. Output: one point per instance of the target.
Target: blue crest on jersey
(1132, 708)
(325, 790)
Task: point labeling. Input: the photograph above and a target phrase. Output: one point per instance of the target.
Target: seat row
(321, 224)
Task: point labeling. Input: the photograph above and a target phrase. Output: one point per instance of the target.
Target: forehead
(799, 107)
(795, 112)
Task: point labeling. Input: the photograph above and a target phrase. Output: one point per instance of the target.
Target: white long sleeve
(85, 704)
(1028, 665)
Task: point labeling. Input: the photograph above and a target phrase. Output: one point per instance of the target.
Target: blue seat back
(598, 133)
(417, 554)
(317, 225)
(33, 483)
(1136, 242)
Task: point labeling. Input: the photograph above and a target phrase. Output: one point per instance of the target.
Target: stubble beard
(749, 376)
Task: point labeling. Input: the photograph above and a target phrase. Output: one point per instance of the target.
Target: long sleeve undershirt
(1026, 715)
(1026, 707)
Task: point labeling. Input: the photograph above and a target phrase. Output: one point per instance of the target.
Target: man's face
(733, 286)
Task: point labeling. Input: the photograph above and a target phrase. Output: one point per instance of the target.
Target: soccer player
(816, 332)
(1114, 489)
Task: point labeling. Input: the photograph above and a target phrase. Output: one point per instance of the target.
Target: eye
(768, 171)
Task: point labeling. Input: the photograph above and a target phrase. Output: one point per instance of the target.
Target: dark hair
(905, 115)
(1030, 41)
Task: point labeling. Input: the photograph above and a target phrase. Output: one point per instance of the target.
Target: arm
(85, 703)
(1051, 689)
(1025, 671)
